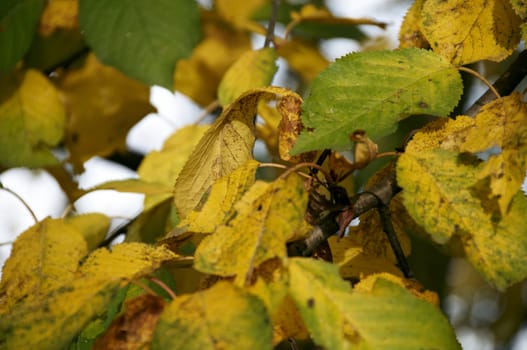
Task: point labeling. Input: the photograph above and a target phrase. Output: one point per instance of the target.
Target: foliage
(233, 253)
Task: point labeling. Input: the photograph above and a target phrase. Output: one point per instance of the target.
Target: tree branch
(269, 37)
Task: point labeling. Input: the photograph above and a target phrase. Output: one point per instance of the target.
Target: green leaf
(141, 39)
(32, 120)
(385, 317)
(372, 91)
(223, 317)
(18, 20)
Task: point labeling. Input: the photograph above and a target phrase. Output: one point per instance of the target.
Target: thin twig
(480, 77)
(269, 37)
(21, 201)
(144, 287)
(286, 173)
(281, 166)
(505, 84)
(166, 288)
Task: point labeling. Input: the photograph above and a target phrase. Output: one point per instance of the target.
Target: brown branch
(381, 193)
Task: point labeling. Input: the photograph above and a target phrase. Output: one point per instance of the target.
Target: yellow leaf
(78, 296)
(164, 166)
(224, 194)
(44, 257)
(502, 123)
(410, 34)
(222, 317)
(198, 77)
(303, 57)
(225, 146)
(253, 69)
(239, 12)
(93, 226)
(98, 125)
(125, 261)
(366, 249)
(32, 119)
(446, 184)
(59, 14)
(520, 7)
(134, 186)
(474, 36)
(258, 232)
(268, 130)
(53, 322)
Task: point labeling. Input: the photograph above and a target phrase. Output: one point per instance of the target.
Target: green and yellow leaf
(338, 318)
(32, 119)
(222, 317)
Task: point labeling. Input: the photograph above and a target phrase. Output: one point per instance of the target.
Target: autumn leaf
(163, 166)
(252, 70)
(410, 34)
(59, 14)
(32, 119)
(135, 327)
(474, 37)
(446, 183)
(199, 76)
(239, 12)
(142, 41)
(338, 318)
(44, 257)
(200, 321)
(225, 146)
(501, 123)
(264, 222)
(289, 128)
(18, 20)
(223, 195)
(372, 91)
(98, 125)
(303, 57)
(53, 320)
(93, 226)
(312, 22)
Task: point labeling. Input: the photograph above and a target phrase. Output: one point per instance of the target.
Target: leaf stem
(166, 288)
(482, 78)
(505, 84)
(286, 173)
(21, 200)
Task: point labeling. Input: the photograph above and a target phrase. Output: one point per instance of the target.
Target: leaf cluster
(230, 252)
